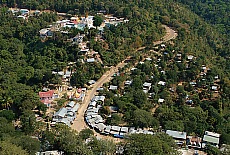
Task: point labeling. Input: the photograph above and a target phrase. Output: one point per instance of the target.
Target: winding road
(79, 123)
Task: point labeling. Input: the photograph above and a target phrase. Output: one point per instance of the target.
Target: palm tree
(6, 103)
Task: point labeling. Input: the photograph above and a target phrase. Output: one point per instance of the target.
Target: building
(111, 87)
(147, 86)
(50, 153)
(90, 60)
(180, 137)
(24, 12)
(211, 138)
(46, 32)
(47, 97)
(193, 142)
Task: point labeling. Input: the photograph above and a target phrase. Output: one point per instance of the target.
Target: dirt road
(79, 122)
(170, 34)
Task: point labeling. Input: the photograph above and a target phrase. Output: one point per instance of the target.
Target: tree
(27, 143)
(97, 20)
(139, 98)
(102, 147)
(115, 119)
(142, 118)
(212, 150)
(8, 148)
(28, 122)
(6, 128)
(8, 114)
(86, 133)
(137, 83)
(148, 145)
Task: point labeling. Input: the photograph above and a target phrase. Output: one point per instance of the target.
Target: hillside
(27, 64)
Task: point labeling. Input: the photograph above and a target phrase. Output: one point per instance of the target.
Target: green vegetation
(27, 62)
(149, 144)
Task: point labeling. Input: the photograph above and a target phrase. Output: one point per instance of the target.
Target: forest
(26, 65)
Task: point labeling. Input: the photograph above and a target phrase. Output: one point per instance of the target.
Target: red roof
(46, 94)
(46, 101)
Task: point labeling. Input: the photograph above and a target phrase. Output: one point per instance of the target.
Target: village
(202, 81)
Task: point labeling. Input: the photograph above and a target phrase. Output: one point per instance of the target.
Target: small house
(47, 97)
(60, 114)
(128, 82)
(24, 12)
(211, 138)
(111, 87)
(194, 142)
(91, 82)
(161, 100)
(161, 83)
(90, 60)
(190, 57)
(180, 137)
(147, 85)
(46, 32)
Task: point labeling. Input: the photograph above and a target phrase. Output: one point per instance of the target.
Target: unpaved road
(79, 123)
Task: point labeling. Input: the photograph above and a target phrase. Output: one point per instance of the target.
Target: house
(193, 142)
(67, 74)
(65, 116)
(22, 17)
(100, 89)
(192, 83)
(161, 83)
(180, 137)
(107, 129)
(124, 130)
(100, 127)
(128, 82)
(70, 104)
(76, 107)
(91, 82)
(216, 77)
(147, 85)
(115, 130)
(211, 138)
(60, 114)
(111, 87)
(93, 104)
(70, 25)
(190, 57)
(78, 39)
(161, 100)
(55, 152)
(148, 59)
(24, 12)
(46, 32)
(215, 88)
(132, 69)
(98, 98)
(47, 97)
(90, 60)
(163, 45)
(74, 20)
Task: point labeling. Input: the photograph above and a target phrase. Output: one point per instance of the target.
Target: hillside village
(154, 81)
(199, 79)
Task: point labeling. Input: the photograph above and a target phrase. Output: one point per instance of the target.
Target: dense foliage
(26, 65)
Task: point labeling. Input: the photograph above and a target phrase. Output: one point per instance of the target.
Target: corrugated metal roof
(176, 134)
(61, 113)
(211, 139)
